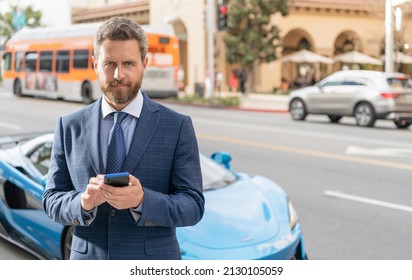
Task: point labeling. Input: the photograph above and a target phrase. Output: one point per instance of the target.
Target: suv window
(334, 82)
(359, 81)
(398, 82)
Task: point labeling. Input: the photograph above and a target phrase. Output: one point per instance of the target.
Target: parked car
(364, 94)
(246, 217)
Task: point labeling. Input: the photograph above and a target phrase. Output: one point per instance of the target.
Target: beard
(120, 95)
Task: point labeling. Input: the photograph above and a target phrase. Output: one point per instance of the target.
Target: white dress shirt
(128, 125)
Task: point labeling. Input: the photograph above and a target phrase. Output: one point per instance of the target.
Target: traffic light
(221, 17)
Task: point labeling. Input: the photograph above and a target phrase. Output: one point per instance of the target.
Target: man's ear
(94, 61)
(145, 61)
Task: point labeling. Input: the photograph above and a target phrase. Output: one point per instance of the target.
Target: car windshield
(214, 175)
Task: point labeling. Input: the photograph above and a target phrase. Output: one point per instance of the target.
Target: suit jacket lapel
(91, 132)
(143, 133)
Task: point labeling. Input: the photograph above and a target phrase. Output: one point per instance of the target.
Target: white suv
(364, 94)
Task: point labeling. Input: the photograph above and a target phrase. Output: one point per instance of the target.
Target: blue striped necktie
(116, 152)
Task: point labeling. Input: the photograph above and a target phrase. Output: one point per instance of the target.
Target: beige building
(326, 27)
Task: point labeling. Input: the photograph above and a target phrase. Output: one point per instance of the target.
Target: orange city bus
(55, 62)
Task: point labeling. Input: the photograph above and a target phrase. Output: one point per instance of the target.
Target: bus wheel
(87, 93)
(17, 88)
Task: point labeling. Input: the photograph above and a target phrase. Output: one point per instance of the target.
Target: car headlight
(293, 216)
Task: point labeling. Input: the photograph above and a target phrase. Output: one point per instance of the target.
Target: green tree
(7, 28)
(252, 38)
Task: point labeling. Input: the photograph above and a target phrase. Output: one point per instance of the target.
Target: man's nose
(118, 73)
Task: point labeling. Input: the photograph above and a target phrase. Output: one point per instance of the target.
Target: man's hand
(93, 196)
(123, 197)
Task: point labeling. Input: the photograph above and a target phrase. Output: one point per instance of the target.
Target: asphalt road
(350, 185)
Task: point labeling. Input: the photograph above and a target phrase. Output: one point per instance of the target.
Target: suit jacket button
(113, 213)
(75, 222)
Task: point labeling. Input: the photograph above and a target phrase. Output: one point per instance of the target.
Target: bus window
(18, 61)
(164, 40)
(62, 61)
(31, 62)
(81, 59)
(7, 61)
(46, 59)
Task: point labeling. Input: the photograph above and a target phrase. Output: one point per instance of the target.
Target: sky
(54, 12)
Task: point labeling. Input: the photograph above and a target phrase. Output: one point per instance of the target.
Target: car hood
(236, 216)
(15, 158)
(304, 91)
(12, 156)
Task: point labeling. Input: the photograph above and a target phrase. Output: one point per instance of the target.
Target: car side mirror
(222, 158)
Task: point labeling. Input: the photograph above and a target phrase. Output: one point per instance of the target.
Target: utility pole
(389, 33)
(389, 40)
(210, 46)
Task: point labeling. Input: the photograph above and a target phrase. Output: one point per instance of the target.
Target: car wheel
(67, 243)
(298, 109)
(334, 118)
(17, 90)
(365, 115)
(402, 123)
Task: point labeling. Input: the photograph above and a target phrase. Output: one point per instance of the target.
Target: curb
(236, 108)
(260, 110)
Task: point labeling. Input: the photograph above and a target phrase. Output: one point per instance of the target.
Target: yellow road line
(308, 152)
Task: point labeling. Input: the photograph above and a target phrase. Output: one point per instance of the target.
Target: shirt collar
(134, 108)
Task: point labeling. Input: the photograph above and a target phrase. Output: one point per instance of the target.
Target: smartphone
(117, 179)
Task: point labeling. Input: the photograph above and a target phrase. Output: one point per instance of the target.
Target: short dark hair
(120, 29)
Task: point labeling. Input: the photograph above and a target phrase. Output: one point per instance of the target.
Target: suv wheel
(402, 123)
(365, 115)
(298, 109)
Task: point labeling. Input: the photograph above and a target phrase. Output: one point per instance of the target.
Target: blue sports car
(246, 217)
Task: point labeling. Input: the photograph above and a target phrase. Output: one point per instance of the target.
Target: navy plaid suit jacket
(163, 155)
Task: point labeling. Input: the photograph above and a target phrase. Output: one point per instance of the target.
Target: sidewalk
(264, 102)
(258, 102)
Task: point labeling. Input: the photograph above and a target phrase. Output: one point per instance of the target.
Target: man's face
(120, 70)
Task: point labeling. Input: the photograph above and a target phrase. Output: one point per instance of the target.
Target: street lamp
(389, 35)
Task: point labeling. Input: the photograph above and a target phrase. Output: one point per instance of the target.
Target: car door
(338, 97)
(25, 220)
(325, 101)
(353, 89)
